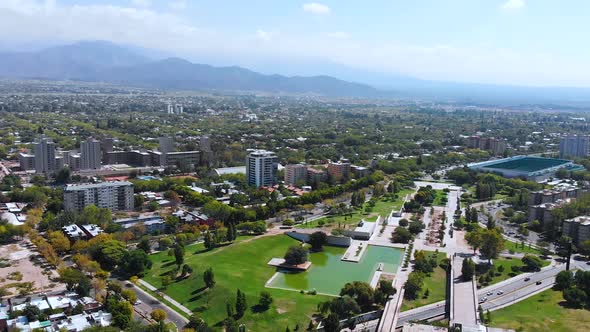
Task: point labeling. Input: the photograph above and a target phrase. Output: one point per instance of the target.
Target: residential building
(574, 146)
(184, 160)
(116, 196)
(339, 170)
(261, 168)
(106, 147)
(295, 173)
(27, 161)
(166, 144)
(495, 145)
(578, 229)
(544, 212)
(90, 156)
(73, 160)
(315, 175)
(359, 171)
(153, 223)
(44, 149)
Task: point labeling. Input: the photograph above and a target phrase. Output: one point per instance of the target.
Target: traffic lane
(150, 303)
(513, 297)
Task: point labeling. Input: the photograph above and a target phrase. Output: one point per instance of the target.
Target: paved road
(463, 301)
(149, 303)
(515, 289)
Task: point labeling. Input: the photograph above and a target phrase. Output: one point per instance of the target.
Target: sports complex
(528, 167)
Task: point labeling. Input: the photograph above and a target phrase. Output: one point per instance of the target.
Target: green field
(328, 274)
(542, 313)
(507, 263)
(240, 265)
(436, 283)
(440, 199)
(382, 208)
(517, 248)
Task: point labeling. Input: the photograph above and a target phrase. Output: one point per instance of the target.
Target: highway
(514, 290)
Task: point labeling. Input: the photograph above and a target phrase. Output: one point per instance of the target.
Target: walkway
(464, 299)
(166, 297)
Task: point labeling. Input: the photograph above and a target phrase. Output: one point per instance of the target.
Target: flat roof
(527, 164)
(84, 186)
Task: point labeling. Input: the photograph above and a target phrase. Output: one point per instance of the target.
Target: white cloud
(264, 35)
(141, 3)
(317, 8)
(513, 5)
(177, 4)
(338, 35)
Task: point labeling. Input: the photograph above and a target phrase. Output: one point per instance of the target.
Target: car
(539, 282)
(587, 263)
(527, 279)
(500, 292)
(490, 293)
(483, 299)
(137, 302)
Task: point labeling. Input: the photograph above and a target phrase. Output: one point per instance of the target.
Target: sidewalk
(166, 297)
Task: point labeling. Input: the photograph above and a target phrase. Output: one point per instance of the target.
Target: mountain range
(100, 61)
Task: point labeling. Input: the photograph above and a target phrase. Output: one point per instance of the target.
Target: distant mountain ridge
(108, 62)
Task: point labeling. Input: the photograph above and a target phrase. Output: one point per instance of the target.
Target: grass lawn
(440, 199)
(436, 283)
(517, 248)
(382, 208)
(507, 264)
(240, 265)
(542, 313)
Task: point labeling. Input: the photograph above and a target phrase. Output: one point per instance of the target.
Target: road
(514, 290)
(149, 303)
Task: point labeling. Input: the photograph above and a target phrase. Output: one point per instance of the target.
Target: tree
(575, 297)
(109, 253)
(158, 315)
(209, 241)
(360, 291)
(474, 240)
(179, 254)
(241, 305)
(296, 255)
(63, 176)
(129, 295)
(231, 325)
(317, 240)
(564, 280)
(59, 241)
(404, 222)
(492, 243)
(532, 263)
(186, 270)
(144, 245)
(265, 300)
(416, 227)
(135, 263)
(332, 323)
(197, 323)
(467, 269)
(75, 280)
(401, 235)
(413, 285)
(209, 278)
(165, 243)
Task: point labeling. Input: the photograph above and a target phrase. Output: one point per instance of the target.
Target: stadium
(527, 167)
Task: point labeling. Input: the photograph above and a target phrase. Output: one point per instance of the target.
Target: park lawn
(517, 248)
(440, 198)
(542, 313)
(239, 265)
(436, 283)
(382, 208)
(507, 263)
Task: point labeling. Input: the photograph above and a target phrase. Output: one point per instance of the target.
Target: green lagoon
(328, 274)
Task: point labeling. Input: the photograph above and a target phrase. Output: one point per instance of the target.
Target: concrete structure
(339, 170)
(495, 145)
(230, 170)
(578, 229)
(116, 196)
(574, 146)
(26, 161)
(90, 155)
(153, 224)
(184, 160)
(315, 175)
(295, 173)
(166, 144)
(544, 212)
(555, 194)
(106, 145)
(528, 167)
(73, 160)
(359, 171)
(45, 156)
(261, 168)
(363, 230)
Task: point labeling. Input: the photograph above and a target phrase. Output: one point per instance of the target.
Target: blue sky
(523, 42)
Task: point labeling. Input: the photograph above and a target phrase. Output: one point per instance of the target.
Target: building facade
(574, 146)
(261, 168)
(44, 149)
(339, 170)
(578, 229)
(115, 196)
(295, 173)
(26, 161)
(90, 155)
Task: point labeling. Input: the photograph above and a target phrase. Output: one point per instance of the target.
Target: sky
(516, 42)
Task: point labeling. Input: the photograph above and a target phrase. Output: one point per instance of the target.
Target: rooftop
(84, 186)
(527, 164)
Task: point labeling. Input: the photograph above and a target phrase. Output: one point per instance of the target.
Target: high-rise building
(166, 144)
(178, 109)
(90, 155)
(339, 170)
(295, 173)
(496, 145)
(261, 168)
(107, 146)
(574, 146)
(44, 150)
(115, 196)
(170, 109)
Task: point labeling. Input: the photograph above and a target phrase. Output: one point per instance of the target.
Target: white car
(137, 302)
(483, 299)
(500, 292)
